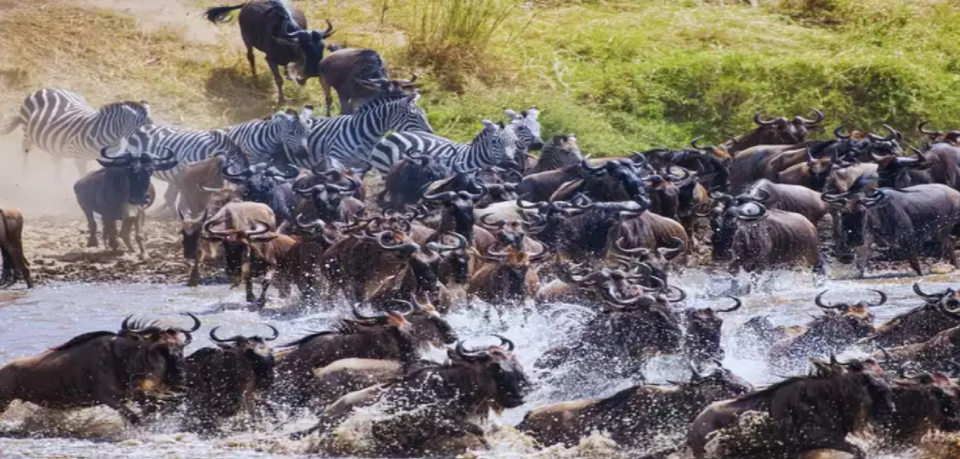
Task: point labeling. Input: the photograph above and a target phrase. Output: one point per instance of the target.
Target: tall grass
(453, 37)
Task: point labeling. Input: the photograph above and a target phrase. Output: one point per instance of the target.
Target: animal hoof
(92, 242)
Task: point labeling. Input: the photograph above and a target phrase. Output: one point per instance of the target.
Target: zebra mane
(380, 99)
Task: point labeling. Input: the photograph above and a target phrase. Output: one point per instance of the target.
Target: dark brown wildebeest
(753, 239)
(329, 196)
(902, 219)
(950, 137)
(939, 312)
(840, 326)
(797, 415)
(101, 368)
(13, 263)
(509, 276)
(663, 408)
(562, 151)
(222, 381)
(925, 403)
(580, 230)
(432, 410)
(776, 131)
(390, 336)
(933, 354)
(702, 339)
(279, 29)
(353, 73)
(120, 191)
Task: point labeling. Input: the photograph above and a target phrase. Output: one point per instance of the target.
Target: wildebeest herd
(288, 201)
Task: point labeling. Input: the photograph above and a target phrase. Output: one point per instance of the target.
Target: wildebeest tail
(221, 14)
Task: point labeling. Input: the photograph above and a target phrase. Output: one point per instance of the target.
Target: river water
(33, 321)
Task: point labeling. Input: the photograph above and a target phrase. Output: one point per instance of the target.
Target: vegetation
(621, 74)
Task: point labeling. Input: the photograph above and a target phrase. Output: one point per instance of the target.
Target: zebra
(525, 128)
(188, 146)
(349, 139)
(489, 148)
(63, 124)
(283, 134)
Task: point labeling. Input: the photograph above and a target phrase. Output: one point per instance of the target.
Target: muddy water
(31, 322)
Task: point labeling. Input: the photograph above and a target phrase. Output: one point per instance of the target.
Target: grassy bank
(620, 74)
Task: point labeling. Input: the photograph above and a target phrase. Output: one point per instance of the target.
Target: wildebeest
(925, 403)
(797, 415)
(754, 238)
(101, 368)
(433, 410)
(267, 185)
(841, 325)
(560, 152)
(279, 29)
(950, 137)
(346, 70)
(776, 131)
(222, 381)
(933, 354)
(13, 263)
(121, 190)
(702, 340)
(635, 416)
(902, 219)
(240, 221)
(788, 198)
(508, 276)
(938, 313)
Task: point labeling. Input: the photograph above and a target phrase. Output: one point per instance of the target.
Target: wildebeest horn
(893, 134)
(816, 112)
(441, 197)
(438, 247)
(475, 196)
(924, 131)
(838, 135)
(762, 212)
(883, 298)
(693, 143)
(208, 227)
(819, 302)
(327, 33)
(232, 339)
(259, 228)
(926, 296)
(196, 323)
(682, 294)
(695, 374)
(761, 122)
(736, 306)
(586, 166)
(409, 247)
(312, 224)
(276, 333)
(619, 246)
(672, 252)
(507, 344)
(497, 224)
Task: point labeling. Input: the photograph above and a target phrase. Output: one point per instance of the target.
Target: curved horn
(682, 294)
(672, 252)
(196, 323)
(817, 113)
(883, 298)
(215, 339)
(276, 333)
(892, 136)
(312, 224)
(441, 197)
(327, 33)
(929, 133)
(438, 247)
(838, 135)
(497, 224)
(761, 122)
(819, 302)
(735, 307)
(504, 342)
(693, 143)
(359, 315)
(586, 166)
(926, 296)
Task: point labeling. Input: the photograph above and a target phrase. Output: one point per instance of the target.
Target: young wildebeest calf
(119, 191)
(14, 263)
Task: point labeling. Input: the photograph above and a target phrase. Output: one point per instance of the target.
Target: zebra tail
(221, 14)
(10, 125)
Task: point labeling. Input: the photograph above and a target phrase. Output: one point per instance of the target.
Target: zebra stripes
(349, 139)
(188, 146)
(63, 124)
(284, 134)
(487, 149)
(526, 127)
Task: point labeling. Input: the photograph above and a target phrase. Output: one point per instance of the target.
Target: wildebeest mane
(341, 327)
(80, 339)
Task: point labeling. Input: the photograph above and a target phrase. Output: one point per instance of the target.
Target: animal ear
(532, 113)
(413, 97)
(512, 115)
(487, 124)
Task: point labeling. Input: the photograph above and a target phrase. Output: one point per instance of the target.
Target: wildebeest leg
(125, 226)
(253, 62)
(110, 234)
(195, 269)
(278, 80)
(20, 266)
(6, 268)
(947, 245)
(170, 196)
(247, 277)
(138, 231)
(327, 96)
(267, 278)
(91, 224)
(106, 395)
(345, 107)
(914, 260)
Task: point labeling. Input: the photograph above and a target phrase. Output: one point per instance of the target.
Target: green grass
(620, 74)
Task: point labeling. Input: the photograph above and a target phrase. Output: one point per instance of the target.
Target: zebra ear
(413, 97)
(532, 113)
(306, 113)
(512, 115)
(489, 125)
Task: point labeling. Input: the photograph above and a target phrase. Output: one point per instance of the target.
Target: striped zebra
(63, 124)
(487, 149)
(188, 146)
(348, 139)
(284, 134)
(526, 127)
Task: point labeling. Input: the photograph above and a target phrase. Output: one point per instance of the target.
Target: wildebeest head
(624, 173)
(326, 194)
(720, 384)
(658, 261)
(703, 331)
(259, 183)
(164, 351)
(309, 43)
(778, 131)
(642, 324)
(950, 137)
(136, 171)
(725, 226)
(853, 206)
(255, 349)
(855, 317)
(496, 372)
(514, 264)
(427, 324)
(893, 171)
(423, 262)
(526, 127)
(236, 242)
(885, 145)
(458, 208)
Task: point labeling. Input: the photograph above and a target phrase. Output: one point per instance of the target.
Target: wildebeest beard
(852, 225)
(262, 368)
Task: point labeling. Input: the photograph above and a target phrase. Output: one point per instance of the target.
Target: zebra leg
(278, 80)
